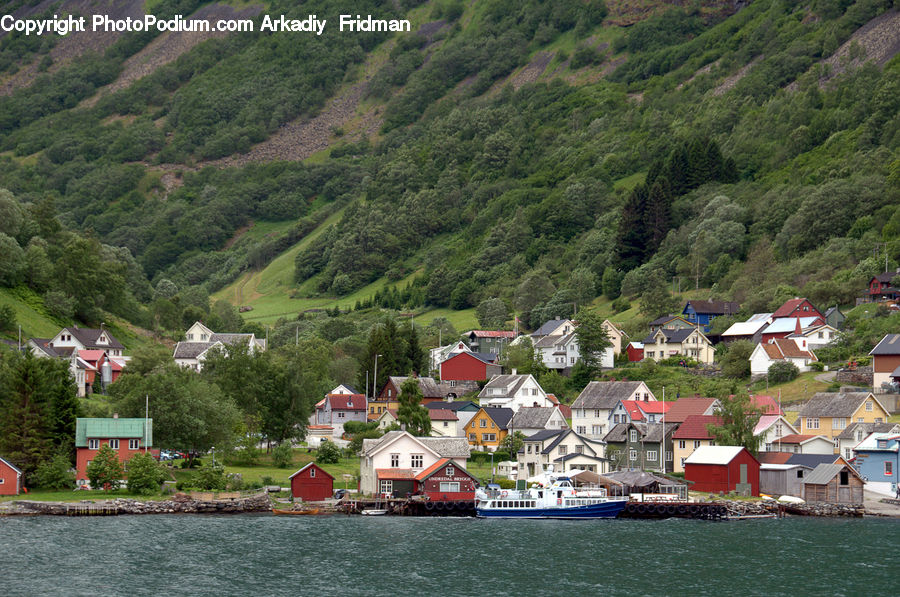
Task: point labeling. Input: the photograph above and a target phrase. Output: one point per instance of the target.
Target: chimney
(115, 415)
(514, 371)
(557, 318)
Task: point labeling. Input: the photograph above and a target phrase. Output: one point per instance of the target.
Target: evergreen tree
(416, 356)
(658, 218)
(677, 169)
(632, 236)
(411, 412)
(593, 339)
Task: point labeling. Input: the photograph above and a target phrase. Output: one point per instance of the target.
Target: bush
(621, 304)
(145, 475)
(817, 366)
(328, 453)
(105, 471)
(505, 483)
(782, 372)
(210, 478)
(281, 455)
(267, 480)
(55, 474)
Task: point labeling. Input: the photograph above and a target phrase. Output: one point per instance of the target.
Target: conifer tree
(632, 237)
(411, 412)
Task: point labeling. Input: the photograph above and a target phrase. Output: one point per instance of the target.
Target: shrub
(328, 453)
(281, 455)
(267, 480)
(105, 470)
(505, 483)
(817, 366)
(55, 474)
(621, 304)
(145, 475)
(210, 478)
(783, 372)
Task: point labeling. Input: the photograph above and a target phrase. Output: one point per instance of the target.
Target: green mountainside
(525, 158)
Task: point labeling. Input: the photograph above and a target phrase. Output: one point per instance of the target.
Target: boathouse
(716, 469)
(446, 481)
(837, 483)
(10, 478)
(311, 483)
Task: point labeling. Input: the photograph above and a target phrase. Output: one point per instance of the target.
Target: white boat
(374, 512)
(555, 499)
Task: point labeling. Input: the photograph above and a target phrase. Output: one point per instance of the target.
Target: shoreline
(180, 504)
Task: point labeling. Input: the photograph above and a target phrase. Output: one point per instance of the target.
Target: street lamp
(213, 448)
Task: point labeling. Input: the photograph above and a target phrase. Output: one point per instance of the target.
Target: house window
(340, 415)
(450, 487)
(633, 435)
(848, 453)
(615, 418)
(597, 413)
(581, 429)
(579, 449)
(681, 444)
(646, 397)
(868, 406)
(572, 360)
(632, 455)
(845, 478)
(596, 429)
(651, 454)
(473, 437)
(134, 444)
(650, 353)
(878, 420)
(859, 419)
(888, 468)
(528, 449)
(395, 461)
(93, 444)
(446, 424)
(669, 457)
(484, 422)
(386, 486)
(840, 423)
(562, 450)
(452, 383)
(696, 443)
(416, 460)
(534, 391)
(812, 423)
(389, 393)
(882, 444)
(778, 431)
(799, 473)
(488, 437)
(451, 471)
(682, 462)
(312, 473)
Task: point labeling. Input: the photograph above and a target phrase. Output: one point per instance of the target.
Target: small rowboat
(374, 512)
(277, 512)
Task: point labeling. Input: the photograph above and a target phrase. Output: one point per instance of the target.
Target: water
(341, 555)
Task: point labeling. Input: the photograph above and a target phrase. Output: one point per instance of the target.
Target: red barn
(635, 351)
(723, 468)
(311, 484)
(467, 366)
(446, 481)
(10, 478)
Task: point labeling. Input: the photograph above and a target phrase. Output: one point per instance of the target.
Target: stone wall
(180, 504)
(747, 508)
(863, 376)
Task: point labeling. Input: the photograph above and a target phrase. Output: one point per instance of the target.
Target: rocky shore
(179, 504)
(745, 508)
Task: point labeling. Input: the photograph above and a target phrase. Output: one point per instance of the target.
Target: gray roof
(589, 444)
(446, 447)
(532, 417)
(454, 406)
(812, 460)
(890, 344)
(605, 394)
(867, 428)
(231, 339)
(510, 384)
(427, 385)
(572, 455)
(544, 434)
(88, 337)
(672, 336)
(650, 432)
(639, 478)
(43, 344)
(191, 350)
(548, 327)
(499, 415)
(823, 473)
(831, 404)
(714, 307)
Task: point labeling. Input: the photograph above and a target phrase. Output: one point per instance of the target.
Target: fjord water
(341, 555)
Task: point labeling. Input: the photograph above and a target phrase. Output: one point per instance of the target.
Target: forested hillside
(523, 157)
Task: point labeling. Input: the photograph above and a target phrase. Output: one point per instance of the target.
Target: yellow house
(829, 413)
(616, 336)
(689, 436)
(488, 427)
(378, 408)
(691, 342)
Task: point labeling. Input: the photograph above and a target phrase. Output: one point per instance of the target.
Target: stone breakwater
(179, 504)
(742, 508)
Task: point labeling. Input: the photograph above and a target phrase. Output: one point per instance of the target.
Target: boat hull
(608, 509)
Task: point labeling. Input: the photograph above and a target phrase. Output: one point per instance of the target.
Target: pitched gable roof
(784, 348)
(114, 428)
(492, 334)
(796, 438)
(88, 337)
(766, 404)
(10, 465)
(319, 468)
(454, 406)
(508, 384)
(789, 307)
(447, 447)
(192, 350)
(830, 404)
(532, 417)
(714, 307)
(824, 473)
(347, 401)
(499, 415)
(605, 394)
(442, 414)
(427, 385)
(714, 454)
(867, 428)
(694, 427)
(682, 408)
(439, 465)
(889, 345)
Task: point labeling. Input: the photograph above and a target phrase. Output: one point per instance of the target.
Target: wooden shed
(311, 484)
(10, 478)
(837, 483)
(783, 479)
(723, 469)
(446, 481)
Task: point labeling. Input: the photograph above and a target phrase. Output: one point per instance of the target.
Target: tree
(512, 443)
(411, 412)
(7, 318)
(282, 454)
(783, 371)
(657, 300)
(328, 453)
(631, 241)
(739, 418)
(492, 313)
(593, 338)
(210, 478)
(522, 357)
(145, 475)
(55, 474)
(736, 360)
(105, 471)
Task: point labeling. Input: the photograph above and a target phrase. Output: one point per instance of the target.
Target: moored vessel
(556, 499)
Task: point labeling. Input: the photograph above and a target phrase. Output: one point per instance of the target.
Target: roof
(634, 413)
(309, 465)
(797, 438)
(492, 334)
(639, 478)
(824, 473)
(10, 465)
(445, 447)
(831, 404)
(347, 401)
(454, 406)
(532, 417)
(544, 434)
(650, 432)
(784, 348)
(672, 336)
(499, 415)
(659, 321)
(871, 442)
(767, 404)
(714, 454)
(890, 344)
(442, 414)
(774, 457)
(850, 431)
(788, 307)
(812, 460)
(714, 307)
(548, 327)
(437, 466)
(605, 394)
(427, 385)
(573, 455)
(766, 421)
(780, 467)
(112, 428)
(231, 339)
(760, 317)
(744, 328)
(191, 350)
(88, 337)
(636, 345)
(44, 345)
(682, 408)
(91, 355)
(510, 384)
(789, 324)
(886, 277)
(694, 427)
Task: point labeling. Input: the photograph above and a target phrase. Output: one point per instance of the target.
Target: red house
(10, 478)
(635, 351)
(467, 366)
(446, 481)
(797, 307)
(725, 469)
(126, 437)
(311, 484)
(880, 288)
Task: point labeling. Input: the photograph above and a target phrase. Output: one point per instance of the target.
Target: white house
(444, 423)
(532, 419)
(565, 450)
(791, 350)
(513, 391)
(592, 408)
(770, 429)
(390, 463)
(200, 342)
(805, 444)
(855, 433)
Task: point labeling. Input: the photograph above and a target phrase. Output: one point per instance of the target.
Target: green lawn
(797, 391)
(77, 496)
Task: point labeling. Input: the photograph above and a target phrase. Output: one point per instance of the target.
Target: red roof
(694, 427)
(794, 438)
(319, 427)
(442, 414)
(788, 308)
(493, 334)
(632, 409)
(774, 457)
(767, 404)
(395, 474)
(682, 408)
(552, 398)
(347, 401)
(436, 466)
(653, 406)
(91, 355)
(565, 410)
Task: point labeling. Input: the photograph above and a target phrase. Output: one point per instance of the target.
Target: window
(528, 449)
(562, 450)
(646, 397)
(845, 478)
(395, 461)
(812, 423)
(572, 360)
(778, 430)
(682, 462)
(650, 353)
(669, 457)
(633, 435)
(651, 454)
(416, 460)
(597, 413)
(799, 473)
(878, 420)
(840, 423)
(452, 383)
(484, 422)
(340, 414)
(632, 455)
(596, 429)
(882, 444)
(848, 453)
(581, 430)
(389, 393)
(888, 468)
(534, 391)
(451, 470)
(488, 437)
(312, 473)
(859, 419)
(868, 406)
(446, 424)
(473, 437)
(616, 419)
(681, 445)
(579, 449)
(386, 486)
(696, 443)
(450, 487)
(134, 444)
(93, 444)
